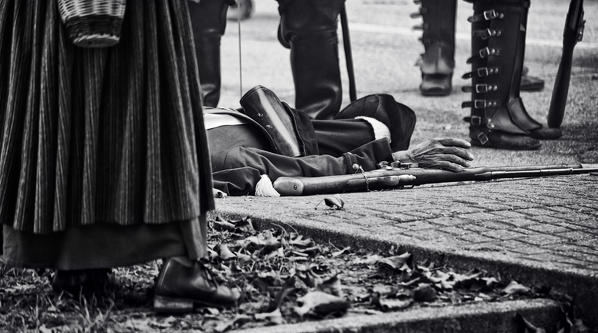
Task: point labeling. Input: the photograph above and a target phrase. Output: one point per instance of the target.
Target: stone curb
(583, 288)
(478, 317)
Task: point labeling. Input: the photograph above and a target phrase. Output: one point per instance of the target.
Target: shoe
(264, 107)
(502, 140)
(438, 61)
(309, 29)
(183, 283)
(530, 83)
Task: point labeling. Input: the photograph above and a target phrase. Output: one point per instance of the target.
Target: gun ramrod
(401, 177)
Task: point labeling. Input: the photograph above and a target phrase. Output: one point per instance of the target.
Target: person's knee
(308, 18)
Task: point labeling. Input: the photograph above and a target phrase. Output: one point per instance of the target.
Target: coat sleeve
(243, 166)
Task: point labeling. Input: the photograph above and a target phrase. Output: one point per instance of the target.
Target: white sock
(264, 188)
(380, 130)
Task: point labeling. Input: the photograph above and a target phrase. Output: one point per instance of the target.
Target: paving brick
(547, 228)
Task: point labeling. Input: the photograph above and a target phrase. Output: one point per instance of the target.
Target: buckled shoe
(438, 60)
(183, 283)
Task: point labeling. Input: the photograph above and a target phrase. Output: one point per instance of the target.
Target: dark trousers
(240, 156)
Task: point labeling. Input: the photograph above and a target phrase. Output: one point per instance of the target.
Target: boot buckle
(476, 120)
(479, 104)
(488, 51)
(483, 138)
(484, 88)
(492, 14)
(485, 71)
(486, 15)
(487, 33)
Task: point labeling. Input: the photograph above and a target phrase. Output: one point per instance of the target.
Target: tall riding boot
(498, 117)
(209, 22)
(309, 28)
(438, 60)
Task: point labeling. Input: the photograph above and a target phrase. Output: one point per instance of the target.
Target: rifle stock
(573, 33)
(396, 178)
(558, 102)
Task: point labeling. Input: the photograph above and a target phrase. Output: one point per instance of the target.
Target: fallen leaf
(221, 224)
(264, 240)
(340, 252)
(299, 241)
(515, 288)
(273, 318)
(394, 304)
(331, 286)
(320, 303)
(244, 225)
(225, 253)
(334, 202)
(395, 262)
(236, 322)
(424, 293)
(369, 260)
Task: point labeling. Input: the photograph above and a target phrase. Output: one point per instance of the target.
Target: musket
(399, 177)
(573, 33)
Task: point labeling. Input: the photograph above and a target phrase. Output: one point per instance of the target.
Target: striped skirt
(100, 136)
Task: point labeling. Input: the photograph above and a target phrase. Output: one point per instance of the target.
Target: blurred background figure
(208, 18)
(438, 60)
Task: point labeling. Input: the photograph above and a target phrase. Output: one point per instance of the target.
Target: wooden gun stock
(573, 33)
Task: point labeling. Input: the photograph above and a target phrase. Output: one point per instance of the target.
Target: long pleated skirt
(99, 144)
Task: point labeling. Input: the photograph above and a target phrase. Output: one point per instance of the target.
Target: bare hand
(444, 153)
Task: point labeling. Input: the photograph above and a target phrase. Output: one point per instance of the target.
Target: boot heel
(163, 304)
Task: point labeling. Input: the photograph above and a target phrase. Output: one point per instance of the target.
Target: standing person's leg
(438, 61)
(309, 29)
(209, 23)
(498, 117)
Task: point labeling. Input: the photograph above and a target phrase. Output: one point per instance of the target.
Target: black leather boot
(498, 117)
(438, 60)
(182, 283)
(309, 29)
(265, 108)
(208, 18)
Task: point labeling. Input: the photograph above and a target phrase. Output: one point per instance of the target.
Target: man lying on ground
(268, 138)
